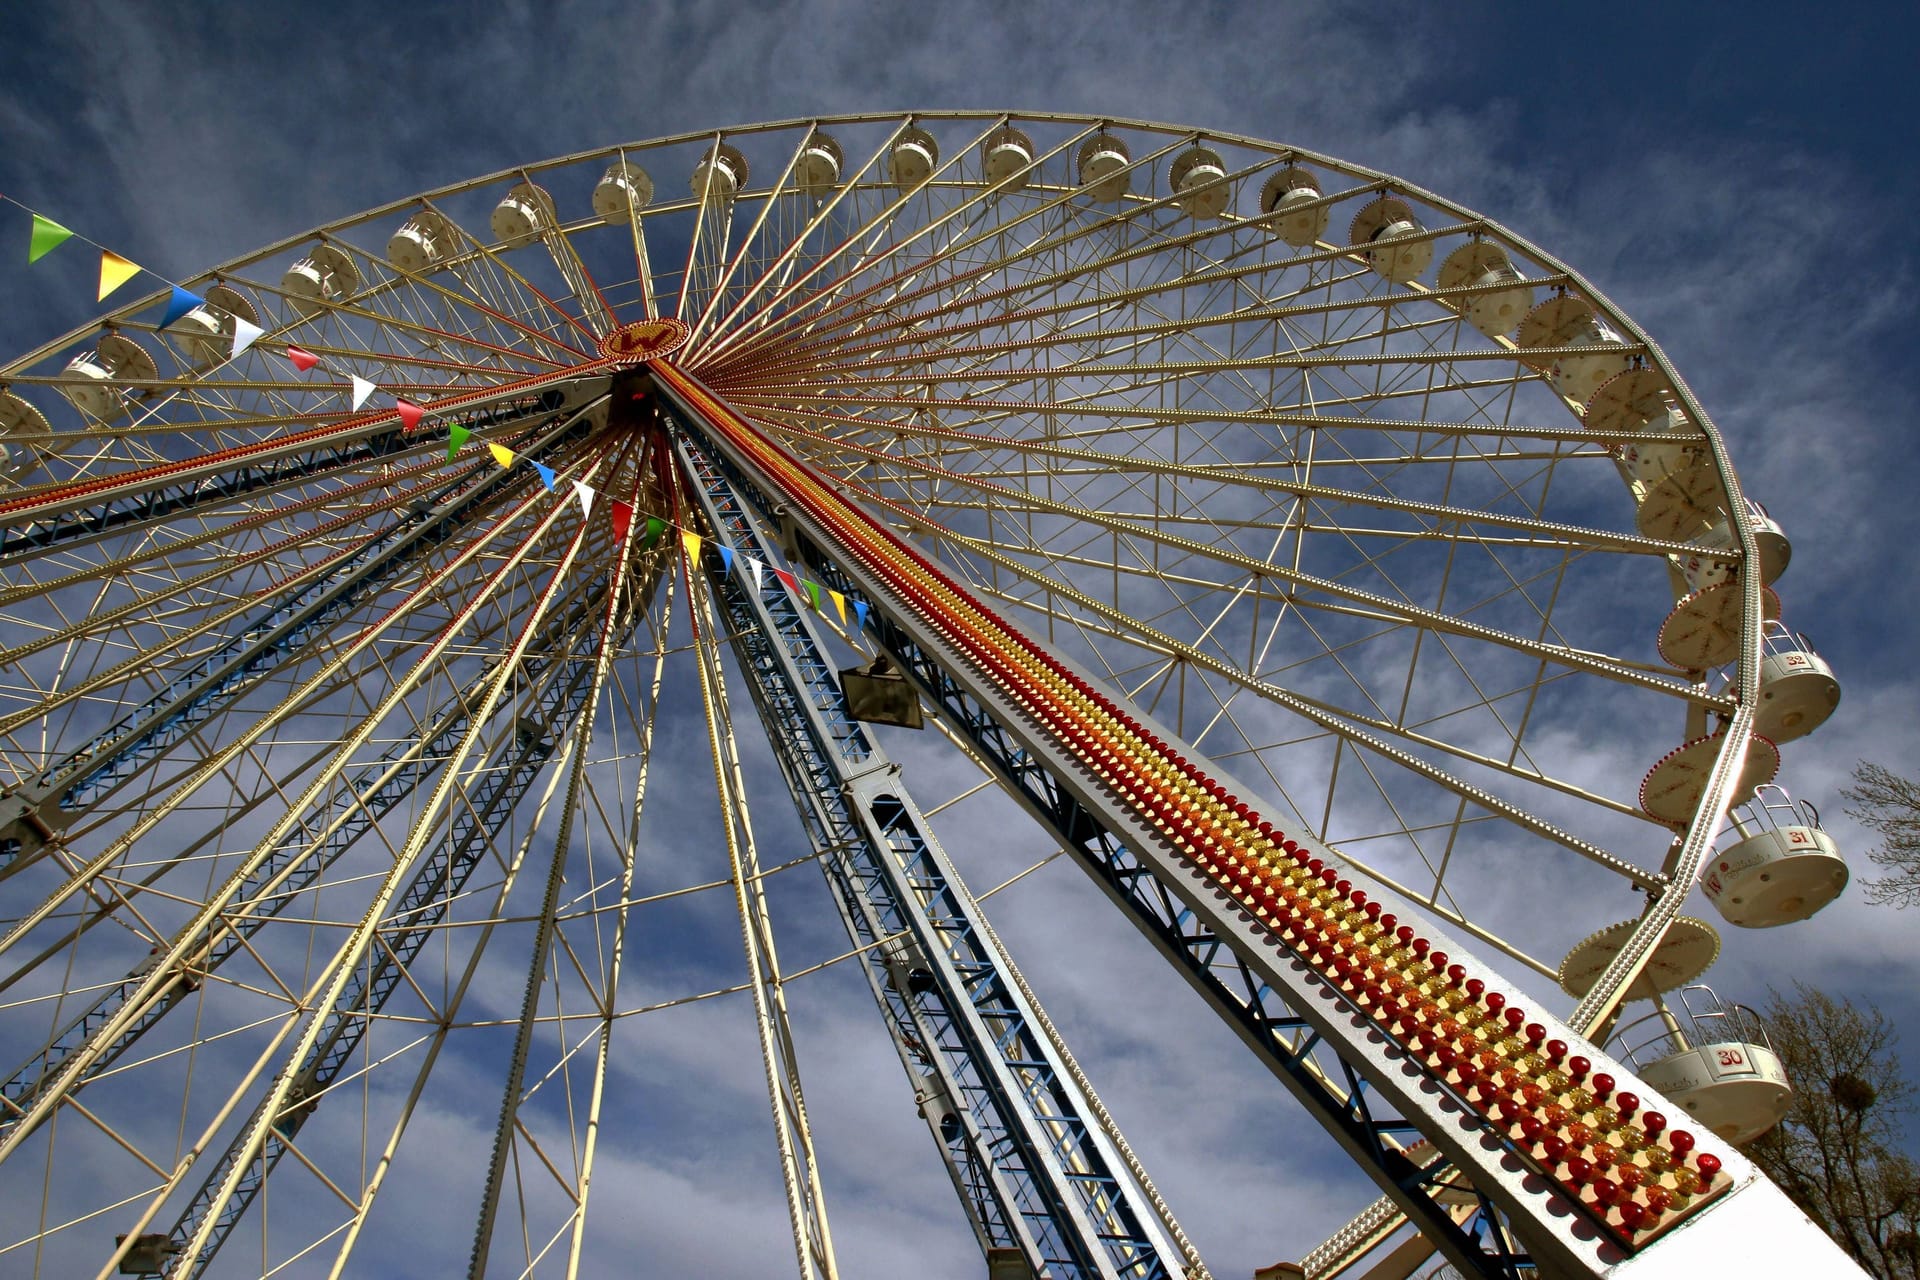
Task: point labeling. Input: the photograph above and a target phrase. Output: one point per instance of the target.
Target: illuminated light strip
(1625, 1166)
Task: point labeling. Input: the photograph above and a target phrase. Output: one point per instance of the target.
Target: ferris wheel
(1338, 578)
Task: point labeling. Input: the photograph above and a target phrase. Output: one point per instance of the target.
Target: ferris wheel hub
(644, 340)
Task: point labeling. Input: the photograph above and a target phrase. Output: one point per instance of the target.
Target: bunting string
(45, 235)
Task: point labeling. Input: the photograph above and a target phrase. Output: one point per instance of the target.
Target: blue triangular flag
(546, 475)
(859, 613)
(726, 558)
(179, 304)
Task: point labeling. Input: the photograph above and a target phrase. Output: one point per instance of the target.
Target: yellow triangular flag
(840, 603)
(501, 454)
(114, 272)
(691, 541)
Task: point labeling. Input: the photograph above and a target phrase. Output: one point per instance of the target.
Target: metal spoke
(1169, 471)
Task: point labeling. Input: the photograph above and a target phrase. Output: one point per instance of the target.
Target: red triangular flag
(409, 413)
(792, 584)
(302, 360)
(622, 519)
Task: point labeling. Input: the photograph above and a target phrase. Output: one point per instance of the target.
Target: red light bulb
(1680, 1140)
(1627, 1104)
(1631, 1214)
(1606, 1190)
(1653, 1122)
(1578, 1170)
(1708, 1164)
(1577, 1067)
(1602, 1086)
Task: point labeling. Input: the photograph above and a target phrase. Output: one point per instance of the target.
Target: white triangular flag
(586, 498)
(756, 566)
(361, 389)
(245, 334)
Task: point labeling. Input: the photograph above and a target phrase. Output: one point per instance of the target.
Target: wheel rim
(1304, 514)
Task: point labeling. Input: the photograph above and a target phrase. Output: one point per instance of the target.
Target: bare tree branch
(1888, 803)
(1837, 1153)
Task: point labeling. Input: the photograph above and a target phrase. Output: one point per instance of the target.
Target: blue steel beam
(1368, 1130)
(31, 812)
(1050, 1186)
(556, 704)
(171, 496)
(351, 810)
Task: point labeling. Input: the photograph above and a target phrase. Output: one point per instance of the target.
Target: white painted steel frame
(483, 325)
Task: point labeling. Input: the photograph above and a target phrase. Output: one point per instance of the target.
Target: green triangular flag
(457, 436)
(48, 235)
(655, 527)
(813, 593)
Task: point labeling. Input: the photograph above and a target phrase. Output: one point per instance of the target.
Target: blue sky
(1739, 180)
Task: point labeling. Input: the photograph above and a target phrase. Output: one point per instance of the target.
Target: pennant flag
(114, 272)
(501, 454)
(410, 414)
(179, 304)
(362, 389)
(622, 518)
(691, 541)
(756, 566)
(546, 475)
(860, 613)
(840, 603)
(586, 498)
(245, 334)
(457, 436)
(786, 580)
(813, 593)
(302, 360)
(48, 235)
(655, 527)
(726, 556)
